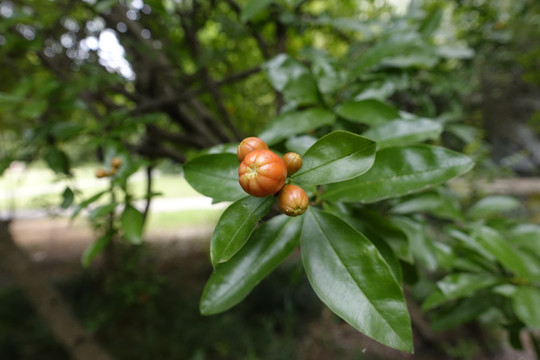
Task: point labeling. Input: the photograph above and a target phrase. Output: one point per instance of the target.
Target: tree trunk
(47, 300)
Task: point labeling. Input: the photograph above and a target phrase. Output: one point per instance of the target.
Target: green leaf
(423, 58)
(267, 247)
(370, 112)
(493, 205)
(236, 225)
(404, 132)
(57, 160)
(439, 204)
(493, 243)
(419, 246)
(325, 68)
(350, 276)
(302, 91)
(455, 52)
(228, 148)
(525, 303)
(66, 130)
(465, 310)
(338, 156)
(432, 22)
(132, 221)
(458, 285)
(215, 176)
(102, 211)
(282, 69)
(526, 236)
(399, 171)
(96, 248)
(383, 49)
(381, 240)
(86, 202)
(394, 236)
(67, 198)
(253, 8)
(295, 122)
(300, 144)
(467, 134)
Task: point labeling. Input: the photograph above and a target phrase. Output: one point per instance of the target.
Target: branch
(239, 76)
(213, 88)
(155, 104)
(184, 139)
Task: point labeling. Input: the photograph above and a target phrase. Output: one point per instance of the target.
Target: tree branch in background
(190, 33)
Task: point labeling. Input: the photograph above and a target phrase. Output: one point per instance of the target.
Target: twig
(149, 170)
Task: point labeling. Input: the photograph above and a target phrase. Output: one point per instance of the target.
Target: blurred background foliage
(154, 82)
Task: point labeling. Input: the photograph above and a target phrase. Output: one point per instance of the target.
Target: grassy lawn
(37, 187)
(176, 219)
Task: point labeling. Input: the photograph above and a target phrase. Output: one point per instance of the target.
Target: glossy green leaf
(236, 225)
(96, 248)
(404, 132)
(67, 198)
(350, 276)
(215, 176)
(492, 205)
(253, 8)
(381, 240)
(400, 171)
(526, 300)
(370, 112)
(132, 221)
(337, 156)
(493, 243)
(458, 285)
(295, 122)
(267, 247)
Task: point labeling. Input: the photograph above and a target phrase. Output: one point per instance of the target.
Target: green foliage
(374, 107)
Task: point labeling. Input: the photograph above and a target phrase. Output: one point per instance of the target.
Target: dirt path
(57, 245)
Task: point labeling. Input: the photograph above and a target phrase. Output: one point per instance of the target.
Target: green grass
(36, 177)
(176, 219)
